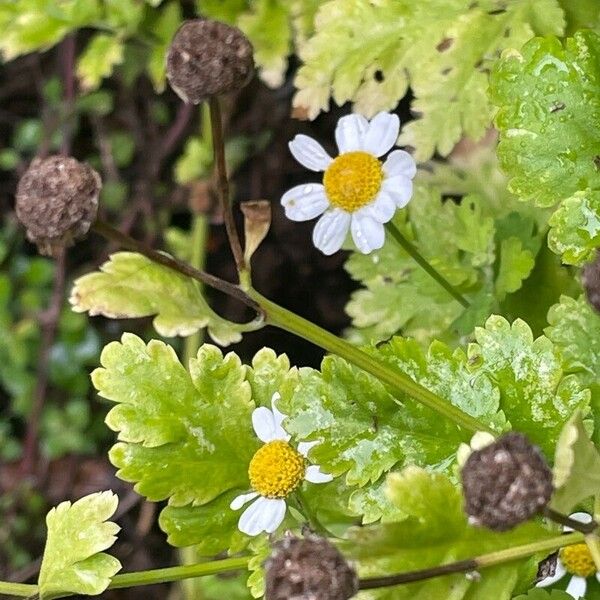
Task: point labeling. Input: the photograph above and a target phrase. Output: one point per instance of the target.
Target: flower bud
(57, 201)
(308, 569)
(591, 282)
(208, 58)
(506, 483)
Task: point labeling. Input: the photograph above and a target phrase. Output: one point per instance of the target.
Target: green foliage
(74, 561)
(131, 285)
(540, 594)
(576, 466)
(488, 248)
(435, 531)
(548, 119)
(370, 53)
(97, 61)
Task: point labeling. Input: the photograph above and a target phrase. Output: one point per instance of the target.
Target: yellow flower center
(276, 469)
(352, 180)
(578, 560)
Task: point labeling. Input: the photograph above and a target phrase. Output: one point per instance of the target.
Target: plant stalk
(284, 319)
(553, 515)
(473, 564)
(412, 251)
(19, 590)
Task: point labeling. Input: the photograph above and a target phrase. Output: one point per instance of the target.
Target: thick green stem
(18, 590)
(284, 319)
(170, 574)
(474, 564)
(424, 264)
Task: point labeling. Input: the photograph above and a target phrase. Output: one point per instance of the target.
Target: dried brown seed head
(506, 483)
(57, 201)
(208, 58)
(308, 569)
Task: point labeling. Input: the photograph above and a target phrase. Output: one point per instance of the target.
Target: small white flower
(358, 192)
(275, 471)
(574, 560)
(480, 440)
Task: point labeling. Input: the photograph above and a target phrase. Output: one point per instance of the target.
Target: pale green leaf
(78, 533)
(222, 10)
(575, 228)
(541, 594)
(549, 117)
(130, 285)
(516, 264)
(537, 397)
(98, 60)
(576, 466)
(164, 24)
(369, 53)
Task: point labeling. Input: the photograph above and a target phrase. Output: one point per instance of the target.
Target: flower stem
(473, 564)
(19, 590)
(593, 544)
(565, 521)
(223, 183)
(425, 265)
(169, 574)
(284, 319)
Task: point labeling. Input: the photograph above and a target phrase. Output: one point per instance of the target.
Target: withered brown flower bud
(57, 201)
(208, 58)
(506, 483)
(591, 282)
(308, 569)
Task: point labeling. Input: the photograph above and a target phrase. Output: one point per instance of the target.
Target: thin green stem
(284, 319)
(19, 590)
(170, 574)
(425, 265)
(310, 516)
(472, 564)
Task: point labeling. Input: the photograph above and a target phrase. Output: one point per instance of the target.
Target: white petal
(330, 231)
(463, 453)
(264, 424)
(576, 587)
(598, 576)
(559, 573)
(367, 233)
(309, 153)
(266, 514)
(304, 447)
(314, 475)
(400, 188)
(481, 439)
(349, 133)
(305, 202)
(278, 417)
(400, 162)
(382, 133)
(382, 209)
(581, 517)
(242, 499)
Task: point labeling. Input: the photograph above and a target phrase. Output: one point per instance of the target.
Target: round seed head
(591, 282)
(208, 58)
(308, 569)
(57, 201)
(506, 483)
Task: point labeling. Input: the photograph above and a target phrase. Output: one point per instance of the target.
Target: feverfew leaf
(74, 561)
(369, 53)
(541, 594)
(97, 61)
(535, 394)
(130, 285)
(575, 228)
(516, 264)
(549, 117)
(164, 24)
(435, 531)
(576, 466)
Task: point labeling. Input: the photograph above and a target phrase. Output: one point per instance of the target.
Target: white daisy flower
(358, 192)
(575, 560)
(480, 440)
(275, 471)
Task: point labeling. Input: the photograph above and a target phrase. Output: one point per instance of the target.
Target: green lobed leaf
(576, 466)
(98, 60)
(74, 561)
(130, 285)
(540, 594)
(369, 53)
(435, 531)
(164, 24)
(549, 120)
(536, 396)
